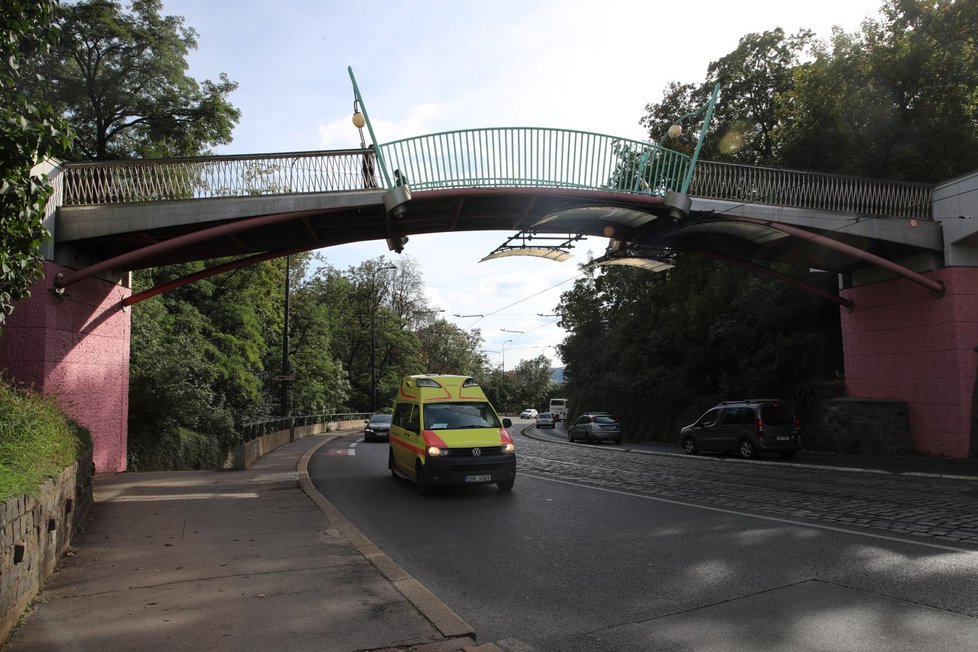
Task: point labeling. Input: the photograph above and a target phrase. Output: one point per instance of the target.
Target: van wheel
(506, 485)
(689, 445)
(420, 482)
(746, 449)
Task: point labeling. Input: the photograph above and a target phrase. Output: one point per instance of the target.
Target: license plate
(783, 438)
(478, 478)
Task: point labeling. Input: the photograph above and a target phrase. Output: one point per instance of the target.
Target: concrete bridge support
(902, 342)
(75, 347)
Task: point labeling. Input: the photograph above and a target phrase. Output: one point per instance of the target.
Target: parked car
(528, 413)
(378, 427)
(546, 420)
(747, 427)
(595, 426)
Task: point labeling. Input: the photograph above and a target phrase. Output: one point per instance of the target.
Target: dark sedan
(379, 427)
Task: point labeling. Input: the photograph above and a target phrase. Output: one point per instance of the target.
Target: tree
(532, 382)
(448, 349)
(30, 132)
(895, 101)
(119, 77)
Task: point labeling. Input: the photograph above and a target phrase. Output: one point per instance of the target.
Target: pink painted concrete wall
(76, 348)
(900, 341)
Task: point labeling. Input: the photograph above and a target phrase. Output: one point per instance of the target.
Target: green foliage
(30, 132)
(658, 349)
(896, 101)
(119, 73)
(37, 442)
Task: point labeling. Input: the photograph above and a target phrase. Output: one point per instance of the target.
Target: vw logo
(476, 452)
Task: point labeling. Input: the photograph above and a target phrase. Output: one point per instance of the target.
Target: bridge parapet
(113, 182)
(812, 190)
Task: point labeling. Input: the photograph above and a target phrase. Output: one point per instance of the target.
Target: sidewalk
(232, 560)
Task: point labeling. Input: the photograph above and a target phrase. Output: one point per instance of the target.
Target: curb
(446, 621)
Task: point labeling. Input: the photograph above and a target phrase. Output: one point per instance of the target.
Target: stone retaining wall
(36, 532)
(864, 425)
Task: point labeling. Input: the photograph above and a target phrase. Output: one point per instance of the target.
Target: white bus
(558, 408)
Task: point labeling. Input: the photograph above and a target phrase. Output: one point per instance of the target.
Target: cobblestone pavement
(941, 510)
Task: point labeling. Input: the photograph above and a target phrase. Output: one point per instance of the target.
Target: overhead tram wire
(494, 312)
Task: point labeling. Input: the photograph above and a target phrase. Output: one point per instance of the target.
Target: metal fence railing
(112, 182)
(250, 431)
(535, 157)
(814, 190)
(490, 158)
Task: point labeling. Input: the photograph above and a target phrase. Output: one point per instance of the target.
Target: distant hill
(557, 374)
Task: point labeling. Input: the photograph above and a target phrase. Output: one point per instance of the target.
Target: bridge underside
(124, 237)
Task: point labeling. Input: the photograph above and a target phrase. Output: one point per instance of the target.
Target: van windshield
(456, 416)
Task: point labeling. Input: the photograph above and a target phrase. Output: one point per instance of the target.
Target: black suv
(747, 427)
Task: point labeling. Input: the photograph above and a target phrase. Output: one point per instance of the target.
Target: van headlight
(509, 448)
(434, 451)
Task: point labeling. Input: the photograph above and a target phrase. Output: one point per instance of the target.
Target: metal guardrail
(490, 158)
(515, 157)
(794, 188)
(113, 182)
(256, 429)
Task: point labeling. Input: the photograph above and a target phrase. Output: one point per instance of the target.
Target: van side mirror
(507, 422)
(412, 426)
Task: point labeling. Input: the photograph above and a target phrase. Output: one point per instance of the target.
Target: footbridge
(908, 272)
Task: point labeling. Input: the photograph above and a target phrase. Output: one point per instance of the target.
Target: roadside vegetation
(37, 441)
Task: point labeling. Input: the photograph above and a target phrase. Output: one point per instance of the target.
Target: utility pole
(286, 365)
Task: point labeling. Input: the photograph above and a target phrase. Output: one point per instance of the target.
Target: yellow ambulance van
(444, 431)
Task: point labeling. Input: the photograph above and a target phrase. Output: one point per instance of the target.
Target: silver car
(595, 426)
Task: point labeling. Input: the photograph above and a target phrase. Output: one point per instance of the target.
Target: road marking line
(776, 519)
(335, 452)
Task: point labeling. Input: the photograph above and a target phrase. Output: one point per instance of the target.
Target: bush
(37, 441)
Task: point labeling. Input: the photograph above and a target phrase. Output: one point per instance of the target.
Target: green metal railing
(514, 157)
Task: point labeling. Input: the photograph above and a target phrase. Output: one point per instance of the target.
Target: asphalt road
(601, 547)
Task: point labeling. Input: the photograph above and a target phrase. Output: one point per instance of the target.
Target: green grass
(37, 441)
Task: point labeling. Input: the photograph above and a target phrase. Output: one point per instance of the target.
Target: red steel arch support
(212, 271)
(934, 286)
(760, 269)
(129, 258)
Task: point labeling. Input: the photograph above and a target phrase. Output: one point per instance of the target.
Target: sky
(439, 65)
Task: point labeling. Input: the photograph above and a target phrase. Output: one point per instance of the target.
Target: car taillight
(760, 428)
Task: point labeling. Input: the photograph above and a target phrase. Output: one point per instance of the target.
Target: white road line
(775, 519)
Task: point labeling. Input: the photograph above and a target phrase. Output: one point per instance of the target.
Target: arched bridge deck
(136, 214)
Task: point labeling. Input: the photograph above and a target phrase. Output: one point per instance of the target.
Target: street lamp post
(503, 347)
(373, 337)
(286, 365)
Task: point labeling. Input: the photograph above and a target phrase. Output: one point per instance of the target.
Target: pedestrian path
(231, 560)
